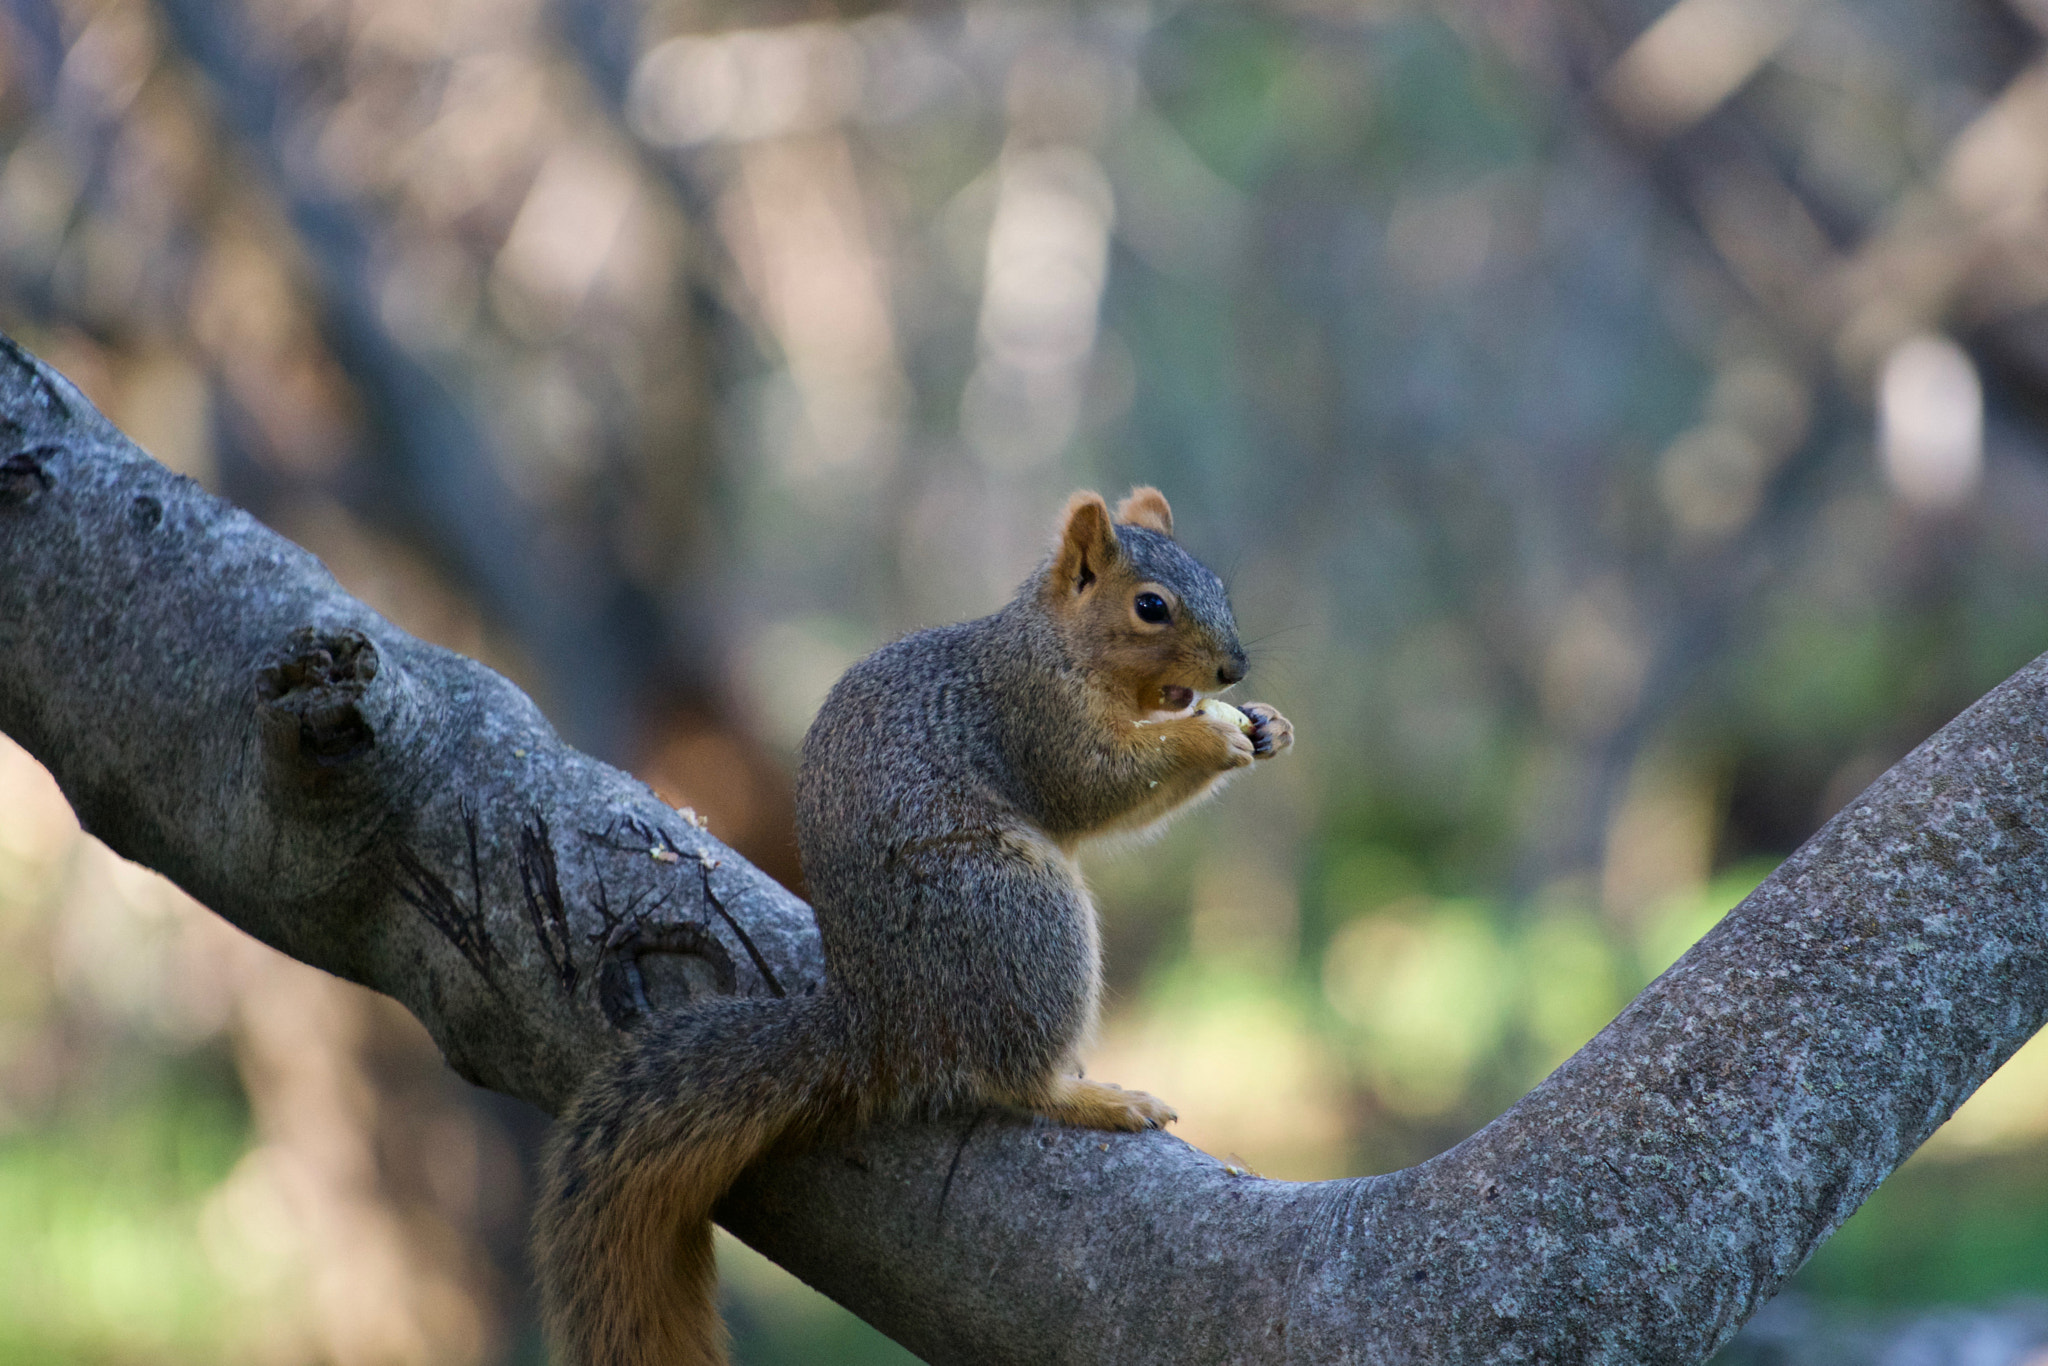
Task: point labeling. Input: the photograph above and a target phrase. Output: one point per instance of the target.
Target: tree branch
(216, 708)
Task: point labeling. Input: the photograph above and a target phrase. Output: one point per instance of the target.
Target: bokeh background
(1624, 428)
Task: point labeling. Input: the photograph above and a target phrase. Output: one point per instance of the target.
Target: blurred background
(1624, 428)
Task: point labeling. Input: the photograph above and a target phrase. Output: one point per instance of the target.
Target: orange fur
(623, 1233)
(1087, 543)
(1146, 506)
(1086, 1104)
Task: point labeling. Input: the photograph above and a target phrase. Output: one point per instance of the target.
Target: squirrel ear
(1146, 506)
(1087, 543)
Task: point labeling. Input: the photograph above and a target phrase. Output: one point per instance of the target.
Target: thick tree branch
(215, 707)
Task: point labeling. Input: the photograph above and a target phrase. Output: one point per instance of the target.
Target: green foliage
(1941, 1230)
(104, 1259)
(777, 1320)
(1455, 1006)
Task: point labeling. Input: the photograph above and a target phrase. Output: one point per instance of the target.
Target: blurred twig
(591, 635)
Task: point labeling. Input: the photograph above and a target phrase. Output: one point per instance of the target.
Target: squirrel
(943, 790)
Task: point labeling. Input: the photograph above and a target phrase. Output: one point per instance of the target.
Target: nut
(1216, 706)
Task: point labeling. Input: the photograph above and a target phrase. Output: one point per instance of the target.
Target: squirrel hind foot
(1084, 1104)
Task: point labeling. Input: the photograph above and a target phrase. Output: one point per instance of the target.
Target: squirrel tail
(623, 1233)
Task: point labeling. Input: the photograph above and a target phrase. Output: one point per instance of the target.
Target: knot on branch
(310, 698)
(23, 479)
(643, 963)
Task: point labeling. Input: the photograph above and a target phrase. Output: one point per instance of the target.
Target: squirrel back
(944, 788)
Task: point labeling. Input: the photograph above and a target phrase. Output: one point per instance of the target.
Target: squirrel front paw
(1236, 746)
(1271, 734)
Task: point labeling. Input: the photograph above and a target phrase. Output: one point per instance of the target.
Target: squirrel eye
(1151, 607)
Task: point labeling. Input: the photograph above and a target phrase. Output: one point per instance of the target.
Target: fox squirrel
(943, 790)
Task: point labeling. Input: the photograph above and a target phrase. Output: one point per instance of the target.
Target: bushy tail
(623, 1234)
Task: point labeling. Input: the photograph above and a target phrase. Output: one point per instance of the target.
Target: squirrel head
(1147, 620)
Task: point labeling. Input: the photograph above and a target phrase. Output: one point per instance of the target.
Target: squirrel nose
(1231, 669)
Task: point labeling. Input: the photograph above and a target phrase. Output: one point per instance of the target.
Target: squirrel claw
(1271, 732)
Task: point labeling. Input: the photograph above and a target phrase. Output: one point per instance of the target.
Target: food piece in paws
(1216, 706)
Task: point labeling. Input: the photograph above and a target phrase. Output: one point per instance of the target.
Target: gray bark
(216, 708)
